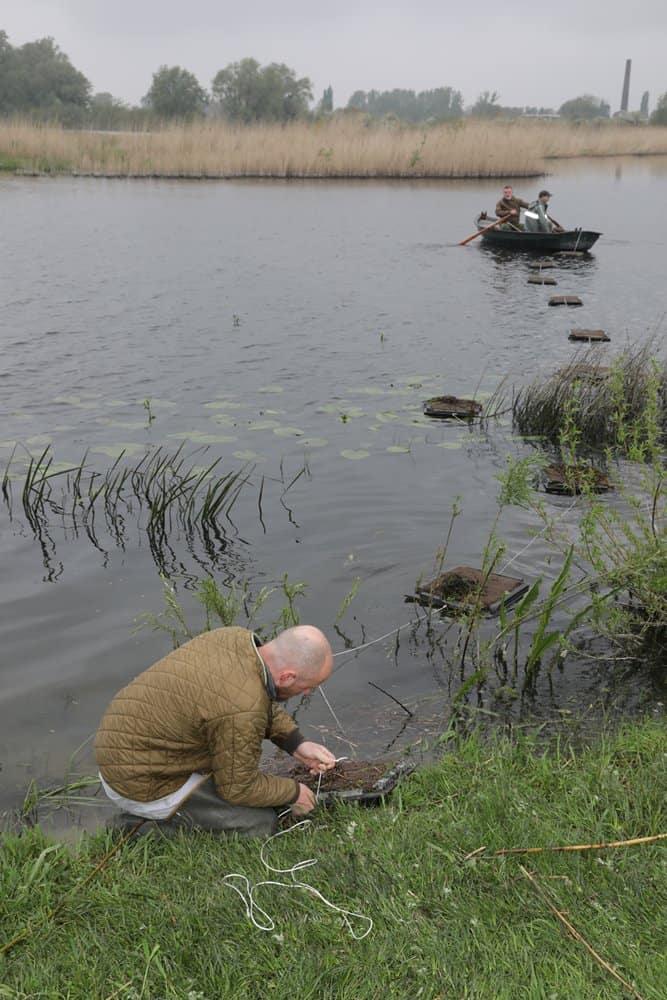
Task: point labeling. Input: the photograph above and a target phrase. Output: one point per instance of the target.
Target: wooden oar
(479, 232)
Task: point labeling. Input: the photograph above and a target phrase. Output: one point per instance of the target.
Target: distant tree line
(38, 80)
(438, 104)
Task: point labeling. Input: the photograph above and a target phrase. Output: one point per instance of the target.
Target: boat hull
(507, 239)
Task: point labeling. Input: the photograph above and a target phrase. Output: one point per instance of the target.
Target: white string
(364, 645)
(254, 910)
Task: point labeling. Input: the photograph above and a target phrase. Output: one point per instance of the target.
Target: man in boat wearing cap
(181, 744)
(510, 205)
(537, 217)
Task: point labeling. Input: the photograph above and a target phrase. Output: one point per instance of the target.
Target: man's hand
(315, 757)
(305, 803)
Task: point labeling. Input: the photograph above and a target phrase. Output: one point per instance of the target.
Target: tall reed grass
(339, 147)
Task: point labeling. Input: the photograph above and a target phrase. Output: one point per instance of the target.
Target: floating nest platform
(565, 300)
(537, 279)
(584, 373)
(589, 336)
(569, 480)
(447, 407)
(457, 589)
(539, 265)
(355, 780)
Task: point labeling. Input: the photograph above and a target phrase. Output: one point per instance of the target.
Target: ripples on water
(280, 324)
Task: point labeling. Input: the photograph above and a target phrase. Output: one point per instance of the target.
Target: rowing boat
(511, 239)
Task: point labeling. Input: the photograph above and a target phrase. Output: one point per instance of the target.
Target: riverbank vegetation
(451, 916)
(344, 147)
(611, 418)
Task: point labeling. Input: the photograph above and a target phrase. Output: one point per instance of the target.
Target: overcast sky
(529, 51)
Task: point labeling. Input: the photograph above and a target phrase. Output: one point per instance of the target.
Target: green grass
(159, 924)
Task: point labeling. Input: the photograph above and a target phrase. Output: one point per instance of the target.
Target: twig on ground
(582, 847)
(575, 934)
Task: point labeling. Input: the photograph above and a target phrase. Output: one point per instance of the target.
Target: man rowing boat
(510, 205)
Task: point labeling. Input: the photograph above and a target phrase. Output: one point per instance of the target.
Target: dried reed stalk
(581, 847)
(575, 934)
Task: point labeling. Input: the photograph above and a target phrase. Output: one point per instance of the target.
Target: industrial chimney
(626, 85)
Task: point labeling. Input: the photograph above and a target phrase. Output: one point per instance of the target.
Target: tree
(38, 77)
(358, 101)
(486, 105)
(584, 108)
(659, 116)
(175, 93)
(326, 104)
(438, 104)
(246, 92)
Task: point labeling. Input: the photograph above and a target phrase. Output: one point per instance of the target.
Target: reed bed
(609, 402)
(340, 147)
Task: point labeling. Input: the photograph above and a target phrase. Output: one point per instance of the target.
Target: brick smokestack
(626, 85)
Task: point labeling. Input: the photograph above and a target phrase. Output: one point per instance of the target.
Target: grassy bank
(159, 923)
(335, 148)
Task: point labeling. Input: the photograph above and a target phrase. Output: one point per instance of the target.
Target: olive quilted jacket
(205, 707)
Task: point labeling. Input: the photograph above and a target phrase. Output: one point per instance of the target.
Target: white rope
(259, 917)
(365, 645)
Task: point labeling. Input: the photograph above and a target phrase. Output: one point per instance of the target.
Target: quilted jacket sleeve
(283, 730)
(235, 744)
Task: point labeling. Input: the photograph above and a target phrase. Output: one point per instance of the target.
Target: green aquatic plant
(163, 491)
(347, 600)
(224, 605)
(147, 407)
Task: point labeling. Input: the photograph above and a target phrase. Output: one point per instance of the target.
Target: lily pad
(263, 425)
(369, 390)
(399, 449)
(288, 431)
(387, 416)
(128, 425)
(39, 440)
(452, 445)
(115, 450)
(314, 442)
(248, 456)
(223, 404)
(332, 407)
(199, 437)
(355, 455)
(270, 388)
(74, 401)
(223, 419)
(160, 404)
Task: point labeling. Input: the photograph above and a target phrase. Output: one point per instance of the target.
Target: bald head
(298, 659)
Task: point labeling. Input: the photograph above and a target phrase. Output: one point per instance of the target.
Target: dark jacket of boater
(505, 206)
(204, 707)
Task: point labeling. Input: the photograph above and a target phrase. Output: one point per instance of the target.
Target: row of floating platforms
(456, 590)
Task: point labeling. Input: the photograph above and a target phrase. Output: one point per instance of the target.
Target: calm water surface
(283, 325)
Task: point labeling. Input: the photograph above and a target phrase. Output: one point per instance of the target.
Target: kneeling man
(181, 744)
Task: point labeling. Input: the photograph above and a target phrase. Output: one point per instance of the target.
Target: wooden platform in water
(457, 590)
(452, 406)
(589, 336)
(565, 300)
